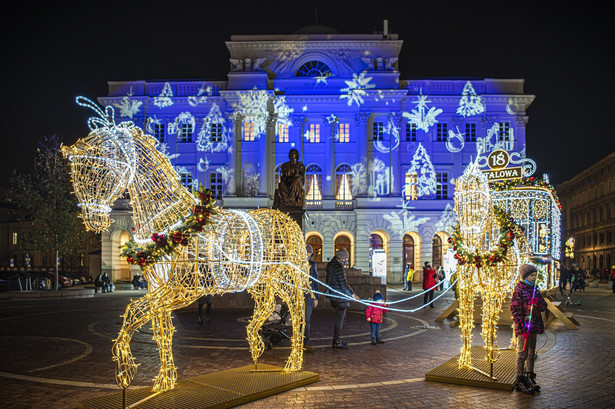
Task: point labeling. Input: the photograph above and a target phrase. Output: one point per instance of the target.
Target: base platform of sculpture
(505, 370)
(217, 390)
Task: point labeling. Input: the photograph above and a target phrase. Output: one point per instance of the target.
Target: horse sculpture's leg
(264, 305)
(296, 306)
(492, 303)
(162, 328)
(466, 319)
(136, 314)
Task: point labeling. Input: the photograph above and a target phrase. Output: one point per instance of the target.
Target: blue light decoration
(382, 150)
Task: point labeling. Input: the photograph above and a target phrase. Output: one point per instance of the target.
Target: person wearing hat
(336, 280)
(526, 306)
(310, 302)
(374, 314)
(429, 284)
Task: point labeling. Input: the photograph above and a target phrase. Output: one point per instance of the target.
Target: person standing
(613, 278)
(374, 314)
(429, 284)
(310, 302)
(205, 299)
(563, 278)
(441, 277)
(336, 280)
(409, 277)
(526, 306)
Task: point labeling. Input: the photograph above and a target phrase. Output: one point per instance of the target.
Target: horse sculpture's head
(472, 202)
(102, 165)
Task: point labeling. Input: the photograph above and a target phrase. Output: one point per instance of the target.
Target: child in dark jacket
(526, 306)
(374, 314)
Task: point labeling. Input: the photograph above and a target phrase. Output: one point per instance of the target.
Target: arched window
(408, 250)
(316, 243)
(375, 242)
(436, 252)
(343, 242)
(314, 69)
(313, 185)
(343, 186)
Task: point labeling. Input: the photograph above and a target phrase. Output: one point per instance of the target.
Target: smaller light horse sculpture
(261, 251)
(493, 277)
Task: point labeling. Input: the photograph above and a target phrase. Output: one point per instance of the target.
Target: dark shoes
(523, 385)
(374, 341)
(531, 377)
(432, 306)
(340, 345)
(379, 341)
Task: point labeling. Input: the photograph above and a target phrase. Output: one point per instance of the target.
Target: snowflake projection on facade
(421, 116)
(358, 171)
(321, 79)
(304, 108)
(393, 132)
(164, 149)
(183, 125)
(448, 219)
(128, 107)
(403, 222)
(470, 104)
(201, 96)
(282, 110)
(455, 141)
(213, 136)
(355, 91)
(165, 99)
(251, 184)
(252, 106)
(422, 166)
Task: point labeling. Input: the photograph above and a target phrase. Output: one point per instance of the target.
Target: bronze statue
(290, 191)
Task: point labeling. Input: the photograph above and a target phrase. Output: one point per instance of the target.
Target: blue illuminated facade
(370, 140)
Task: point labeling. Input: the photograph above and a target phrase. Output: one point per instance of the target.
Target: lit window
(410, 187)
(343, 190)
(185, 131)
(411, 132)
(15, 238)
(249, 131)
(158, 131)
(314, 133)
(313, 175)
(441, 132)
(470, 132)
(378, 131)
(215, 132)
(282, 132)
(344, 132)
(215, 184)
(441, 185)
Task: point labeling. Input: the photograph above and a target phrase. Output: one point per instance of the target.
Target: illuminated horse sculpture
(261, 251)
(483, 235)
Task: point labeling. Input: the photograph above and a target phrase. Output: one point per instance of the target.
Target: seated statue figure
(290, 191)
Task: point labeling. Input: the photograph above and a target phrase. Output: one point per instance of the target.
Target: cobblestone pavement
(58, 352)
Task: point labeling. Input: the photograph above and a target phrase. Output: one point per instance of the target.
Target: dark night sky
(50, 54)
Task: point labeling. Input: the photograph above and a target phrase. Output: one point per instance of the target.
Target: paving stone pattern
(58, 352)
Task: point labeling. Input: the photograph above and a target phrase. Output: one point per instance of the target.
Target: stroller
(277, 326)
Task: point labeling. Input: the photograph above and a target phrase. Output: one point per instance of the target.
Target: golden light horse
(261, 251)
(481, 234)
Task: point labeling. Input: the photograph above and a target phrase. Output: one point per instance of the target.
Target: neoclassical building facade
(588, 200)
(381, 151)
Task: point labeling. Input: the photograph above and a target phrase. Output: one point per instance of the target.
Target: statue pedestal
(295, 213)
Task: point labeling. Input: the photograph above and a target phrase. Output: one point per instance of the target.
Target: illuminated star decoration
(320, 79)
(470, 103)
(355, 90)
(422, 117)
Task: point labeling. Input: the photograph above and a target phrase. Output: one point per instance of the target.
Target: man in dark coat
(310, 303)
(526, 306)
(336, 279)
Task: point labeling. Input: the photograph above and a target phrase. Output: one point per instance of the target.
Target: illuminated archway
(120, 269)
(379, 239)
(314, 239)
(344, 240)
